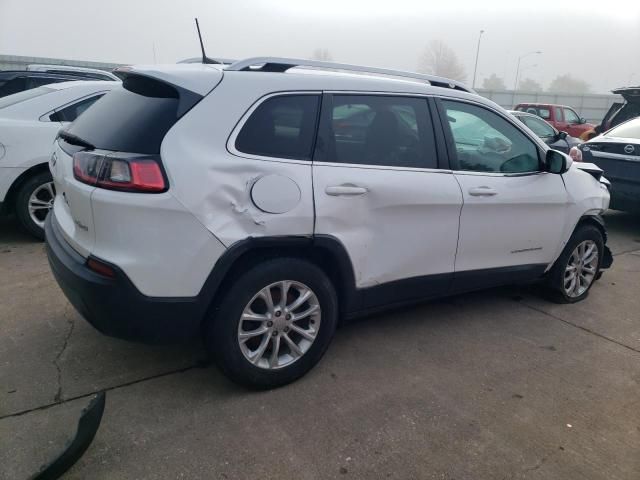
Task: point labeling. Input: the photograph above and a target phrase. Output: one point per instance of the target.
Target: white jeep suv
(255, 204)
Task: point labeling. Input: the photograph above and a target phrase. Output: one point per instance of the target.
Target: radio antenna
(205, 59)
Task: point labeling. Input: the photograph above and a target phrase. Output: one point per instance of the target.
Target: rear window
(134, 118)
(541, 112)
(24, 95)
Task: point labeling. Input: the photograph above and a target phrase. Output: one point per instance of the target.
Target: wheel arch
(324, 251)
(10, 197)
(595, 220)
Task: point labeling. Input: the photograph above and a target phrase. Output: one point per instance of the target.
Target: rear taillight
(124, 172)
(576, 154)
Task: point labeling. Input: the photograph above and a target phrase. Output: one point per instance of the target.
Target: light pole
(522, 70)
(537, 52)
(475, 69)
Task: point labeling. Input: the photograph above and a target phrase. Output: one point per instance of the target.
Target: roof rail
(277, 64)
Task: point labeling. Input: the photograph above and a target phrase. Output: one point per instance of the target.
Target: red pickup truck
(563, 118)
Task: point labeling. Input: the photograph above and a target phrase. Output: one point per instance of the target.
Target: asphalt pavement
(499, 384)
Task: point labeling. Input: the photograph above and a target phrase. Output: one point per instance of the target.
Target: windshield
(630, 129)
(24, 95)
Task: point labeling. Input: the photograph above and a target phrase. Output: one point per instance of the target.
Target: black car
(621, 112)
(617, 152)
(14, 81)
(557, 140)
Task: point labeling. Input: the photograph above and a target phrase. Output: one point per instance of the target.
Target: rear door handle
(482, 191)
(346, 190)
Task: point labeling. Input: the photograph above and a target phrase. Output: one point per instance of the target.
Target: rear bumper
(114, 306)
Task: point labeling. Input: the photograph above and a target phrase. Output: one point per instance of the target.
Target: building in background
(19, 62)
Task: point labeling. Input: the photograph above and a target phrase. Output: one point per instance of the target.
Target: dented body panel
(587, 196)
(217, 186)
(393, 223)
(405, 225)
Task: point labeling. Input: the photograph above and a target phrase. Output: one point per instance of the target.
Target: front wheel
(274, 323)
(578, 267)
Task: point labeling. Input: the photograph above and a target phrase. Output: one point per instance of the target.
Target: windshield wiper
(75, 140)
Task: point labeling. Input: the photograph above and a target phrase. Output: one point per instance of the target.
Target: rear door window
(389, 131)
(282, 127)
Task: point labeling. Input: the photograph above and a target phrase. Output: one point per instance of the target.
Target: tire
(247, 296)
(559, 281)
(35, 184)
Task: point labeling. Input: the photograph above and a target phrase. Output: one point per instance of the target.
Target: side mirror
(562, 135)
(582, 120)
(556, 162)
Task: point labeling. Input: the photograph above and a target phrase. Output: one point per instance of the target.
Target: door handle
(346, 190)
(482, 192)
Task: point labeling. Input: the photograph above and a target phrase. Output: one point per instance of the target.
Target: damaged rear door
(380, 190)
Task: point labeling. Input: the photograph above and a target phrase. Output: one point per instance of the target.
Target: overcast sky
(598, 41)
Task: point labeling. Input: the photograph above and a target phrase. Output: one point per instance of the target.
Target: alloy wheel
(279, 324)
(581, 268)
(41, 202)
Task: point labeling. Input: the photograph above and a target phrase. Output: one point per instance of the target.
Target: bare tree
(568, 84)
(494, 82)
(529, 85)
(439, 59)
(322, 54)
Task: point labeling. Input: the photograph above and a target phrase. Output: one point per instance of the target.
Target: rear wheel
(578, 267)
(34, 200)
(274, 323)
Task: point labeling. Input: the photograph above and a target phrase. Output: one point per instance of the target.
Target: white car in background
(29, 123)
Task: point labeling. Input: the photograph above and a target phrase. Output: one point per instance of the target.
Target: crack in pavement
(538, 464)
(588, 330)
(58, 396)
(107, 389)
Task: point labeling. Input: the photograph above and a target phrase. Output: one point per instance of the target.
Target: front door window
(486, 142)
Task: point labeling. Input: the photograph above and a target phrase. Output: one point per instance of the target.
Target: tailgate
(72, 206)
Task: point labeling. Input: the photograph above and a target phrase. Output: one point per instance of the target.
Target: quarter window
(378, 130)
(282, 126)
(486, 142)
